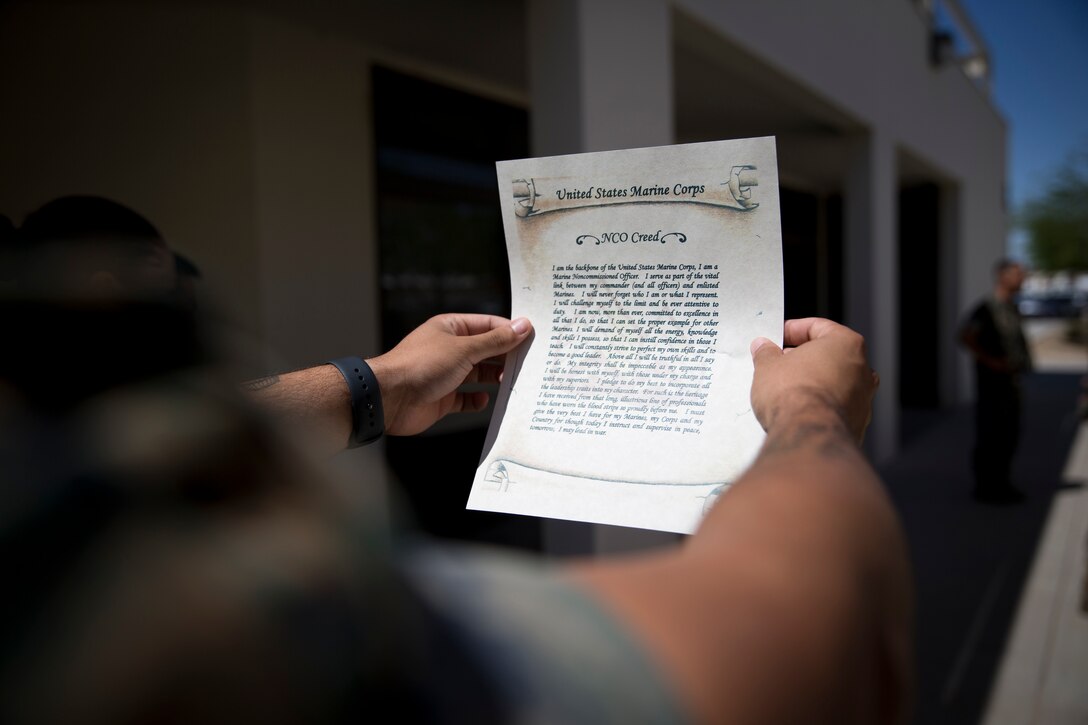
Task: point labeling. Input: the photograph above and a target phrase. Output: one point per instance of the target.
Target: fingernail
(758, 343)
(520, 325)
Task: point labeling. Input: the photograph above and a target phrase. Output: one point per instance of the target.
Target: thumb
(498, 341)
(764, 349)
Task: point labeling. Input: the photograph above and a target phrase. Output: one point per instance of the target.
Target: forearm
(797, 582)
(419, 380)
(813, 481)
(819, 552)
(315, 401)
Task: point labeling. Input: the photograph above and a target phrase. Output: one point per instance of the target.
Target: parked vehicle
(1064, 303)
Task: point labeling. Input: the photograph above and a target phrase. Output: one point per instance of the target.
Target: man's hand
(824, 365)
(969, 339)
(419, 377)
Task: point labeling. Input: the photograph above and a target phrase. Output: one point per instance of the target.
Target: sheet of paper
(646, 274)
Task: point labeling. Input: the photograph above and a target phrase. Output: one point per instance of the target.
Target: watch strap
(367, 417)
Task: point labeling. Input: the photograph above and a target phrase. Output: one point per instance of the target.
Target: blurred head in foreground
(89, 248)
(168, 555)
(90, 300)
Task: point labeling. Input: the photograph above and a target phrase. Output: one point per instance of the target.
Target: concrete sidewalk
(1044, 672)
(1043, 677)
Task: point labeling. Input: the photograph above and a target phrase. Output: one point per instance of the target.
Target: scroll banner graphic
(536, 196)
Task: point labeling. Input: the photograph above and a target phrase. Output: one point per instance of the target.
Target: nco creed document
(646, 274)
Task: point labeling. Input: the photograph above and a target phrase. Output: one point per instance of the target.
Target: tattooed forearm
(261, 383)
(809, 420)
(829, 438)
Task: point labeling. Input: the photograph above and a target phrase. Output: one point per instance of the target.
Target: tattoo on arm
(261, 383)
(828, 440)
(818, 425)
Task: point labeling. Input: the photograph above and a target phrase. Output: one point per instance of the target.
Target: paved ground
(973, 562)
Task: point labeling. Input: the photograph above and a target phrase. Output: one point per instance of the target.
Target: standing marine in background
(995, 338)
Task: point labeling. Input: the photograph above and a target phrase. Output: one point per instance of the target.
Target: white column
(872, 281)
(600, 73)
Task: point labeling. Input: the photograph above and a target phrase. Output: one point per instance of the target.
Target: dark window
(919, 296)
(442, 249)
(441, 242)
(811, 254)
